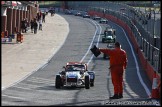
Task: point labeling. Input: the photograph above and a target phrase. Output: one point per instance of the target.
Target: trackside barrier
(2, 34)
(6, 40)
(5, 37)
(19, 37)
(155, 91)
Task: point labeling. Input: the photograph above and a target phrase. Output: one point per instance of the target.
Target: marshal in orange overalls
(118, 62)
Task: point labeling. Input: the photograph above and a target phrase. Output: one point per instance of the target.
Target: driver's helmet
(69, 68)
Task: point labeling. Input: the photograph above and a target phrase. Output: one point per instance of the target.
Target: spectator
(26, 25)
(40, 24)
(43, 17)
(32, 25)
(35, 25)
(23, 26)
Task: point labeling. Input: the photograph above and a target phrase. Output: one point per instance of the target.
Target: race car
(68, 12)
(78, 14)
(109, 35)
(103, 20)
(110, 46)
(95, 17)
(75, 74)
(86, 16)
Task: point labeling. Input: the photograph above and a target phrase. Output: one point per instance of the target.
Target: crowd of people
(34, 24)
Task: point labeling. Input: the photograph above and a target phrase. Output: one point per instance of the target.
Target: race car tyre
(58, 82)
(87, 82)
(92, 78)
(114, 40)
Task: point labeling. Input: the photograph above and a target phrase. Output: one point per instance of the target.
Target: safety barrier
(155, 93)
(5, 38)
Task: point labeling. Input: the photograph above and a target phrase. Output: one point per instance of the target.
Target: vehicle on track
(68, 12)
(75, 74)
(78, 14)
(95, 17)
(103, 20)
(86, 16)
(109, 46)
(109, 35)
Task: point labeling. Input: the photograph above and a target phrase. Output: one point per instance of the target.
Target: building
(13, 12)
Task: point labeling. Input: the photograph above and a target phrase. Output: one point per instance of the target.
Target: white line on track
(96, 45)
(91, 42)
(96, 25)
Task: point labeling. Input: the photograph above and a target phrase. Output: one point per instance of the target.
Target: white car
(86, 16)
(103, 20)
(75, 75)
(96, 17)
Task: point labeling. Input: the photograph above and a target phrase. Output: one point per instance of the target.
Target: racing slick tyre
(87, 82)
(92, 78)
(58, 82)
(114, 40)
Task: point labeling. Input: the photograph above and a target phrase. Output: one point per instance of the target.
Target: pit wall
(145, 64)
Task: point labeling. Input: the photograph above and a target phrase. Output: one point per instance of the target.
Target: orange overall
(118, 62)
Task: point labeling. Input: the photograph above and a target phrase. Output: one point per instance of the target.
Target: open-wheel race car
(103, 20)
(75, 74)
(109, 35)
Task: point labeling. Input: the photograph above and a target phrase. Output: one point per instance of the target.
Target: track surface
(39, 88)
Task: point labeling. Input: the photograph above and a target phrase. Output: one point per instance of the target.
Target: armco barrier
(145, 64)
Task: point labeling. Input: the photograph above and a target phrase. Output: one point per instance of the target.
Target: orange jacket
(118, 56)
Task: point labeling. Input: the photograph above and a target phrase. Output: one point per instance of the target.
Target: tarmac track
(39, 88)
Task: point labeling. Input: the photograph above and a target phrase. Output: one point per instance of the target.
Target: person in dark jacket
(23, 25)
(43, 17)
(32, 25)
(35, 25)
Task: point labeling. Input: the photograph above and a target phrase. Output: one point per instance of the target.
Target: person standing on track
(118, 64)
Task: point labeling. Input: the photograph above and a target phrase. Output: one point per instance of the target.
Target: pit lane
(39, 88)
